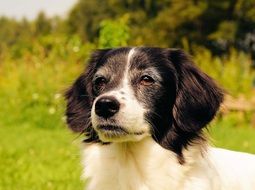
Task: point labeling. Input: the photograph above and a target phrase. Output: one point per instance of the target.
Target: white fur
(145, 165)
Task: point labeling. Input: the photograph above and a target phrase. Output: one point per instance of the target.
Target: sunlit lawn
(39, 158)
(230, 134)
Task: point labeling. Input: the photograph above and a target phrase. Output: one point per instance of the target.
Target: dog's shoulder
(238, 161)
(236, 169)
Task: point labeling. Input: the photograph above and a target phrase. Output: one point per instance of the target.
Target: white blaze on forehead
(129, 57)
(131, 115)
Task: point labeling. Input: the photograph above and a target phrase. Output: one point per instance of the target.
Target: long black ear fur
(198, 99)
(79, 99)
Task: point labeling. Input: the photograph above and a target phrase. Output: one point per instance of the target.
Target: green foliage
(42, 24)
(33, 83)
(216, 24)
(233, 72)
(85, 17)
(226, 31)
(114, 33)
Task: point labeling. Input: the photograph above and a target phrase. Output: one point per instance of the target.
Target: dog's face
(128, 87)
(126, 94)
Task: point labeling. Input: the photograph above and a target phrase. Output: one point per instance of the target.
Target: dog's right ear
(79, 98)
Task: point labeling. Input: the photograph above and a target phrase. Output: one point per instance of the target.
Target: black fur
(197, 100)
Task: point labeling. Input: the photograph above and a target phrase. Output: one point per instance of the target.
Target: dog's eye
(146, 80)
(99, 83)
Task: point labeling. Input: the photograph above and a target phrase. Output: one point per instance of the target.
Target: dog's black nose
(106, 107)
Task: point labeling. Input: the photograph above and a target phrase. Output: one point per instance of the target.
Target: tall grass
(233, 71)
(32, 85)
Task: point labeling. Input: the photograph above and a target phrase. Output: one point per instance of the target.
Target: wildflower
(76, 49)
(63, 118)
(57, 96)
(52, 110)
(35, 96)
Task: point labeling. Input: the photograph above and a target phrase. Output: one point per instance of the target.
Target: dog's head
(126, 94)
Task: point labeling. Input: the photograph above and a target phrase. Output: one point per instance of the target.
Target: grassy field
(38, 152)
(227, 133)
(39, 158)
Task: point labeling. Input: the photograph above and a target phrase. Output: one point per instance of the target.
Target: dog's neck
(148, 148)
(132, 164)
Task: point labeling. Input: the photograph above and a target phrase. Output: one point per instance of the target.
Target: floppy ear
(80, 98)
(198, 97)
(197, 100)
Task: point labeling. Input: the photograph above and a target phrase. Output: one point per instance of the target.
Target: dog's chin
(115, 133)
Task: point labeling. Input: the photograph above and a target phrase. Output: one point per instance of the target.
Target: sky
(30, 8)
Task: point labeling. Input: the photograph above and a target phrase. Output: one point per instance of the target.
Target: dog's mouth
(112, 128)
(116, 131)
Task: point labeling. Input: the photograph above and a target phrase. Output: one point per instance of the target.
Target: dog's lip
(115, 128)
(118, 129)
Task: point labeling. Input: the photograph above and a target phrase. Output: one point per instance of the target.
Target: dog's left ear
(79, 98)
(198, 98)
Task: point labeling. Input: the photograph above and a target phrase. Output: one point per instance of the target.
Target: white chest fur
(145, 165)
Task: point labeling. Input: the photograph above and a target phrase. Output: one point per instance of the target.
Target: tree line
(217, 25)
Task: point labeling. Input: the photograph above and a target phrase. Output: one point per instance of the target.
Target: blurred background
(44, 45)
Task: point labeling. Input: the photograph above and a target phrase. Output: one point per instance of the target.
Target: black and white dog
(143, 110)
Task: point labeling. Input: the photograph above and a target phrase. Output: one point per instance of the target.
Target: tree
(114, 33)
(42, 24)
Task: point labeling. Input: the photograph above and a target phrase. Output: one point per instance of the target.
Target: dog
(142, 111)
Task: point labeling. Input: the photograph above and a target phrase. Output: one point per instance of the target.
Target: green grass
(38, 159)
(232, 133)
(238, 139)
